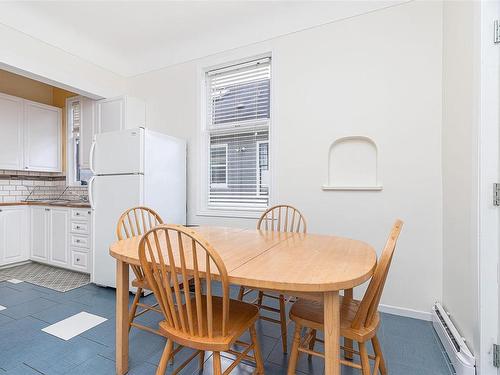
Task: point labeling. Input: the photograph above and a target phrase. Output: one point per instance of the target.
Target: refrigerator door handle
(91, 189)
(91, 157)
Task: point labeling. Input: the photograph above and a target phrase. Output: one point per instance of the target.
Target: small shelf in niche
(353, 165)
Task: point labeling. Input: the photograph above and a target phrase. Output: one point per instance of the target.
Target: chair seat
(242, 316)
(310, 314)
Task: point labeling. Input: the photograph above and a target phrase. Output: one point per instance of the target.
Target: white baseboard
(409, 313)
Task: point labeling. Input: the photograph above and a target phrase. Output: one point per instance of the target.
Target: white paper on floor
(14, 281)
(74, 325)
(2, 307)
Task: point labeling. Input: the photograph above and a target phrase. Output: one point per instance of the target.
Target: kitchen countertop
(34, 203)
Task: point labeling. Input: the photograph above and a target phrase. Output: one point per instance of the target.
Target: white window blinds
(239, 116)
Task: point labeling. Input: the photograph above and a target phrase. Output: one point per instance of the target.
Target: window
(218, 165)
(77, 175)
(238, 122)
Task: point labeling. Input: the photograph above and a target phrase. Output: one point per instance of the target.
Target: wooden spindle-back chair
(135, 222)
(359, 320)
(280, 218)
(170, 255)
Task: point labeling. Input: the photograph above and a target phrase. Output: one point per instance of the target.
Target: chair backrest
(282, 218)
(170, 255)
(369, 304)
(136, 221)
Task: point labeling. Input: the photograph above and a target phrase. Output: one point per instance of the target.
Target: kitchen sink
(61, 202)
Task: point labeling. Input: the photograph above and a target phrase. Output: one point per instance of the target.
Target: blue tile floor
(410, 346)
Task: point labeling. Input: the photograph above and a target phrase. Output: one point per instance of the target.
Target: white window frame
(203, 208)
(224, 184)
(70, 144)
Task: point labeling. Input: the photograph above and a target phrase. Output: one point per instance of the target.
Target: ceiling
(133, 37)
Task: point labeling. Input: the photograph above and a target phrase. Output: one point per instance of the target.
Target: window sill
(232, 214)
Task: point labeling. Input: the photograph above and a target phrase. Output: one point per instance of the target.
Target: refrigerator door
(120, 152)
(111, 196)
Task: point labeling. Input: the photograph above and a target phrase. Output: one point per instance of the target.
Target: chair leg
(241, 293)
(201, 359)
(133, 308)
(312, 342)
(365, 361)
(217, 364)
(283, 323)
(294, 355)
(348, 345)
(260, 298)
(256, 350)
(378, 352)
(162, 366)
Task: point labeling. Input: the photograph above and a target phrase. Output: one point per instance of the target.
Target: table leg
(122, 292)
(348, 295)
(332, 333)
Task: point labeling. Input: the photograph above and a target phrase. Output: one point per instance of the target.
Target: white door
(39, 238)
(11, 130)
(110, 115)
(118, 152)
(42, 137)
(13, 234)
(59, 236)
(110, 197)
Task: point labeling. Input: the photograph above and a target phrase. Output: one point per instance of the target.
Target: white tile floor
(74, 325)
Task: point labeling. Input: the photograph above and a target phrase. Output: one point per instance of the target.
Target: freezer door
(111, 195)
(118, 152)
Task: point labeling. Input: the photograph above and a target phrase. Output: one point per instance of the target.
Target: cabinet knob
(0, 210)
(77, 227)
(77, 214)
(47, 209)
(77, 240)
(77, 259)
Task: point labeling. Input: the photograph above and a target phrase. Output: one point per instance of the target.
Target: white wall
(377, 74)
(22, 54)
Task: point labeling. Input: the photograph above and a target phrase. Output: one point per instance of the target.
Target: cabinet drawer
(79, 260)
(80, 214)
(80, 241)
(79, 227)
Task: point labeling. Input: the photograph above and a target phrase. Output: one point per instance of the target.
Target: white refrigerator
(133, 167)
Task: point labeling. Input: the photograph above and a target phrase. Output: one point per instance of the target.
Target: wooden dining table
(309, 266)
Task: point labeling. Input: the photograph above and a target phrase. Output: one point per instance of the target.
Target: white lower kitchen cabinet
(14, 244)
(39, 233)
(60, 236)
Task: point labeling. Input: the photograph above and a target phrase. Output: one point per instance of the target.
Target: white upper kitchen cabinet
(59, 236)
(123, 112)
(14, 244)
(42, 137)
(39, 237)
(11, 131)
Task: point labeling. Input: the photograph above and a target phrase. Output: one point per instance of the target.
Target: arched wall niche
(353, 164)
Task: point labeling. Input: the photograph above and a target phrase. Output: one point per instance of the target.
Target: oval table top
(292, 262)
